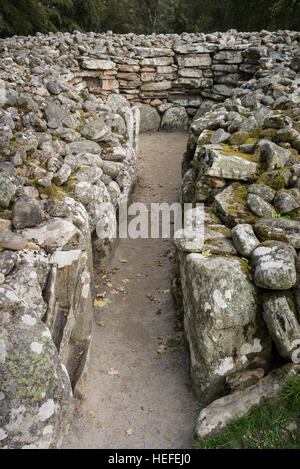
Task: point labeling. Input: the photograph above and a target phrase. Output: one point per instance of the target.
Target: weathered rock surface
(274, 265)
(36, 395)
(220, 321)
(214, 417)
(281, 318)
(244, 239)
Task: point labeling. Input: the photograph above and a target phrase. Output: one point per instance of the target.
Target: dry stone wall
(70, 107)
(240, 284)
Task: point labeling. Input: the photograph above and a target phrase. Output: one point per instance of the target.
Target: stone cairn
(71, 107)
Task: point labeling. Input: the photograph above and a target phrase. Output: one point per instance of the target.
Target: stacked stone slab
(240, 282)
(67, 160)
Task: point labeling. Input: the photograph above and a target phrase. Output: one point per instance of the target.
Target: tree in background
(21, 17)
(146, 16)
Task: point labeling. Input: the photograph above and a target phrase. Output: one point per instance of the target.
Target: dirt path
(149, 403)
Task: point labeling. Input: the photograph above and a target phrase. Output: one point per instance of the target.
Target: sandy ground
(146, 402)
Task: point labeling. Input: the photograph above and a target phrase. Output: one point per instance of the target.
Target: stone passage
(68, 144)
(150, 395)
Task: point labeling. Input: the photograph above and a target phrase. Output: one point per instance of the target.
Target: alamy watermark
(153, 221)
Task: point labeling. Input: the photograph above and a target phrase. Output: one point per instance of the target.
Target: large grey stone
(97, 131)
(280, 315)
(217, 161)
(244, 239)
(259, 206)
(215, 417)
(175, 118)
(220, 321)
(26, 213)
(149, 118)
(55, 234)
(280, 229)
(274, 155)
(35, 396)
(7, 189)
(274, 265)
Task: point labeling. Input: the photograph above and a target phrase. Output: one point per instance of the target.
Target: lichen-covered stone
(274, 155)
(7, 190)
(279, 313)
(214, 417)
(35, 390)
(26, 213)
(220, 320)
(219, 161)
(280, 229)
(274, 265)
(244, 239)
(174, 119)
(259, 206)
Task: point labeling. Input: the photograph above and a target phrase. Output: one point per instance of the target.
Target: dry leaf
(161, 349)
(123, 261)
(101, 323)
(102, 303)
(126, 281)
(129, 432)
(113, 372)
(78, 408)
(92, 414)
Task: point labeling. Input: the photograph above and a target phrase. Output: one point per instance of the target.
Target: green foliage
(146, 16)
(275, 424)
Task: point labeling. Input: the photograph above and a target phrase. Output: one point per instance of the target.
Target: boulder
(36, 403)
(220, 321)
(280, 229)
(215, 417)
(55, 234)
(274, 155)
(7, 189)
(219, 161)
(244, 239)
(279, 312)
(175, 118)
(231, 205)
(274, 265)
(150, 118)
(259, 206)
(26, 213)
(96, 131)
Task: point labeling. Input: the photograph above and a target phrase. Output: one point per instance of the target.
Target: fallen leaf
(99, 425)
(126, 281)
(101, 323)
(78, 408)
(149, 295)
(166, 292)
(92, 414)
(161, 349)
(113, 372)
(109, 285)
(102, 303)
(123, 261)
(129, 432)
(206, 253)
(114, 292)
